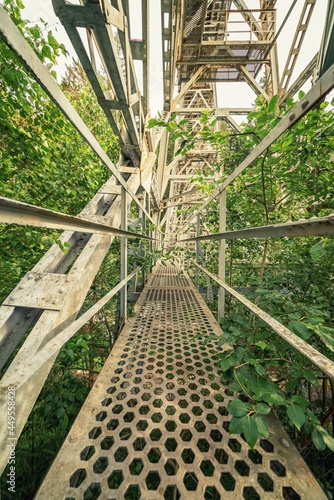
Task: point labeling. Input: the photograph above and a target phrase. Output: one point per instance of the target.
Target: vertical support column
(124, 254)
(143, 225)
(198, 243)
(221, 254)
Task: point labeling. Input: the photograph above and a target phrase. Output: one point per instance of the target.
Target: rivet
(292, 116)
(21, 287)
(61, 290)
(304, 104)
(30, 276)
(72, 439)
(285, 443)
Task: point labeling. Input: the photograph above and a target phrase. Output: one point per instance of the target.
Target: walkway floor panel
(155, 424)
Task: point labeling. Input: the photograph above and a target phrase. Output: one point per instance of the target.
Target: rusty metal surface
(155, 423)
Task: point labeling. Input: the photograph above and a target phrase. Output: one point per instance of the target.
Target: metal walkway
(155, 424)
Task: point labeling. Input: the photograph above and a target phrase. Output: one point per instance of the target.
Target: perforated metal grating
(155, 424)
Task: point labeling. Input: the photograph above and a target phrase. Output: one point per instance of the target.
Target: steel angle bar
(318, 359)
(16, 41)
(48, 350)
(313, 227)
(317, 92)
(16, 212)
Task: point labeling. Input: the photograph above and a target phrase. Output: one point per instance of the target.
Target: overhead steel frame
(50, 296)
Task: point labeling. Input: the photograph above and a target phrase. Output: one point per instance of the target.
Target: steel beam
(317, 226)
(16, 212)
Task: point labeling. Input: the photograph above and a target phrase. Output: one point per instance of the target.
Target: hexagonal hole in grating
(92, 492)
(216, 435)
(266, 445)
(170, 410)
(156, 417)
(184, 418)
(125, 433)
(234, 445)
(197, 411)
(100, 465)
(154, 455)
(115, 479)
(195, 398)
(171, 467)
(278, 468)
(95, 433)
(182, 392)
(132, 402)
(250, 493)
(132, 493)
(205, 392)
(208, 404)
(170, 425)
(87, 453)
(171, 444)
(219, 398)
(78, 478)
(200, 426)
(120, 396)
(183, 403)
(172, 493)
(221, 456)
(241, 467)
(193, 387)
(106, 402)
(136, 466)
(107, 442)
(158, 391)
(186, 435)
(139, 444)
(265, 481)
(120, 454)
(142, 425)
(152, 480)
(227, 481)
(188, 456)
(111, 390)
(135, 390)
(117, 409)
(223, 411)
(255, 456)
(112, 424)
(129, 416)
(211, 418)
(203, 445)
(190, 481)
(143, 410)
(207, 468)
(289, 493)
(211, 493)
(102, 415)
(155, 434)
(157, 403)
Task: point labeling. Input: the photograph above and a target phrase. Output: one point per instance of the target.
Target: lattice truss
(147, 422)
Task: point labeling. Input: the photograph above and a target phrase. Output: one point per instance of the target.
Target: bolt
(292, 116)
(285, 443)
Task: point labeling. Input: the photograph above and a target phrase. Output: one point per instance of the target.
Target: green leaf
(273, 104)
(236, 426)
(261, 344)
(237, 408)
(262, 425)
(296, 415)
(250, 430)
(317, 251)
(300, 329)
(326, 335)
(318, 440)
(310, 377)
(225, 364)
(20, 4)
(277, 399)
(329, 441)
(262, 408)
(260, 370)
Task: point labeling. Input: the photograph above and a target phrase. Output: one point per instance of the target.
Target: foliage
(291, 279)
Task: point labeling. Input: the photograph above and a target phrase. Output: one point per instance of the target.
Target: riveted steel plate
(41, 291)
(155, 424)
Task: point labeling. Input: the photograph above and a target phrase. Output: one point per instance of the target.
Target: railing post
(221, 254)
(124, 254)
(198, 249)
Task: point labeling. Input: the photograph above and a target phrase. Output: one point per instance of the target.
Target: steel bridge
(155, 424)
